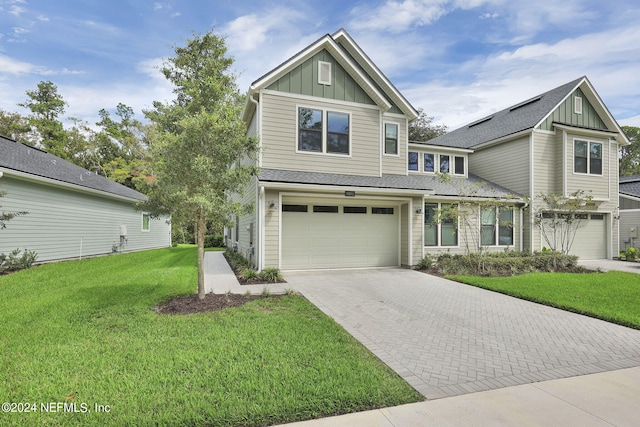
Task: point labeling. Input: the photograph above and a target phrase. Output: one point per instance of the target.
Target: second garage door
(591, 238)
(333, 235)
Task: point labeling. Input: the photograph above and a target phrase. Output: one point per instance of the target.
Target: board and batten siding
(65, 224)
(506, 164)
(565, 113)
(279, 138)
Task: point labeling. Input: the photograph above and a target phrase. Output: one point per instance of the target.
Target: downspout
(261, 215)
(522, 208)
(258, 127)
(531, 190)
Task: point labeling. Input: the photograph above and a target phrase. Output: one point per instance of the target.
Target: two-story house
(340, 184)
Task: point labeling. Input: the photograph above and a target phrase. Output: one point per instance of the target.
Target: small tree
(559, 219)
(200, 148)
(7, 216)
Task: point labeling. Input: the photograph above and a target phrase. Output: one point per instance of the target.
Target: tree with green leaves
(7, 216)
(47, 106)
(630, 154)
(422, 129)
(200, 148)
(14, 126)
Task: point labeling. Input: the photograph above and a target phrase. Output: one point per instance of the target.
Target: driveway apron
(447, 339)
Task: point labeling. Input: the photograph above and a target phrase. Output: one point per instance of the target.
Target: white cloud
(11, 66)
(17, 10)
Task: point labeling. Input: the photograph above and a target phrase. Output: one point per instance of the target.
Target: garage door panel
(591, 239)
(339, 240)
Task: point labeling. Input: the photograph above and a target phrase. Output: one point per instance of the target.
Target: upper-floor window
(146, 222)
(429, 162)
(323, 131)
(413, 161)
(458, 165)
(587, 157)
(390, 138)
(444, 163)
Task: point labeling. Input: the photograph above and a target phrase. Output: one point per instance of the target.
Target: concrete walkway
(610, 264)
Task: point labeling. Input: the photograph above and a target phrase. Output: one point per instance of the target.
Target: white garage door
(331, 235)
(591, 238)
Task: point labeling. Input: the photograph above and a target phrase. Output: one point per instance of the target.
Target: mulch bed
(191, 304)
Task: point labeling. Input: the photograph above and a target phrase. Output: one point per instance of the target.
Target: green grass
(88, 327)
(613, 296)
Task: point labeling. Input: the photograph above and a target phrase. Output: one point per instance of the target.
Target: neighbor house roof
(353, 59)
(630, 185)
(524, 116)
(456, 186)
(23, 159)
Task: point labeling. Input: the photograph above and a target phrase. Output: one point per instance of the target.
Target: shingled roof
(472, 186)
(519, 117)
(15, 156)
(630, 185)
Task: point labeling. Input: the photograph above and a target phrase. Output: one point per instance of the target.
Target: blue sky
(459, 60)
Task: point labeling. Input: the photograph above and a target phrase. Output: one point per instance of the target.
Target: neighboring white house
(72, 212)
(341, 185)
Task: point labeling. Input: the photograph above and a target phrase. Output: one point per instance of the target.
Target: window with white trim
(321, 131)
(412, 164)
(496, 225)
(440, 224)
(145, 222)
(429, 162)
(444, 163)
(390, 138)
(577, 105)
(458, 165)
(587, 157)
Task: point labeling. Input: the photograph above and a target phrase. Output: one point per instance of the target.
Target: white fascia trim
(399, 98)
(342, 189)
(440, 148)
(588, 132)
(626, 196)
(55, 183)
(435, 198)
(330, 45)
(550, 112)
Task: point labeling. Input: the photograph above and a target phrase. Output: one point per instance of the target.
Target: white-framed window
(324, 73)
(440, 224)
(496, 226)
(458, 165)
(391, 138)
(323, 131)
(587, 157)
(577, 105)
(146, 220)
(413, 161)
(429, 162)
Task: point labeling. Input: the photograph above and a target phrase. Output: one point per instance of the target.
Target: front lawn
(613, 296)
(88, 327)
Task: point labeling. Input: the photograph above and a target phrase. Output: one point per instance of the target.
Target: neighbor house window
(496, 225)
(145, 222)
(323, 131)
(429, 162)
(444, 163)
(413, 161)
(390, 138)
(587, 157)
(440, 224)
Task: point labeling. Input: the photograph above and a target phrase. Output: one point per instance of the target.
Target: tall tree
(422, 129)
(14, 126)
(201, 146)
(630, 154)
(46, 106)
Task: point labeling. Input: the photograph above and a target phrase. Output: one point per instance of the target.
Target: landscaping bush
(14, 261)
(211, 241)
(271, 274)
(631, 254)
(499, 263)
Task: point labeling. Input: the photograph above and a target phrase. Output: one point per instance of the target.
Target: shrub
(14, 261)
(249, 274)
(631, 254)
(271, 274)
(211, 241)
(425, 263)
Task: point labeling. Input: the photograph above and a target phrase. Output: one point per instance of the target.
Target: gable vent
(527, 102)
(476, 123)
(324, 73)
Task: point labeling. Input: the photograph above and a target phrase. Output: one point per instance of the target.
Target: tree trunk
(201, 230)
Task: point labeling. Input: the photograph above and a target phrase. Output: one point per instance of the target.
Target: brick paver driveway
(448, 339)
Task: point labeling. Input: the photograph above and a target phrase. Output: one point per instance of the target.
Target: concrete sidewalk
(604, 399)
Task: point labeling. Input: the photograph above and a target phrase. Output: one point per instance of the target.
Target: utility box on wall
(633, 232)
(123, 230)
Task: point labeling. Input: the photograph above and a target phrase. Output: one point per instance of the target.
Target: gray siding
(64, 224)
(506, 164)
(629, 219)
(279, 138)
(598, 186)
(272, 230)
(627, 203)
(392, 164)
